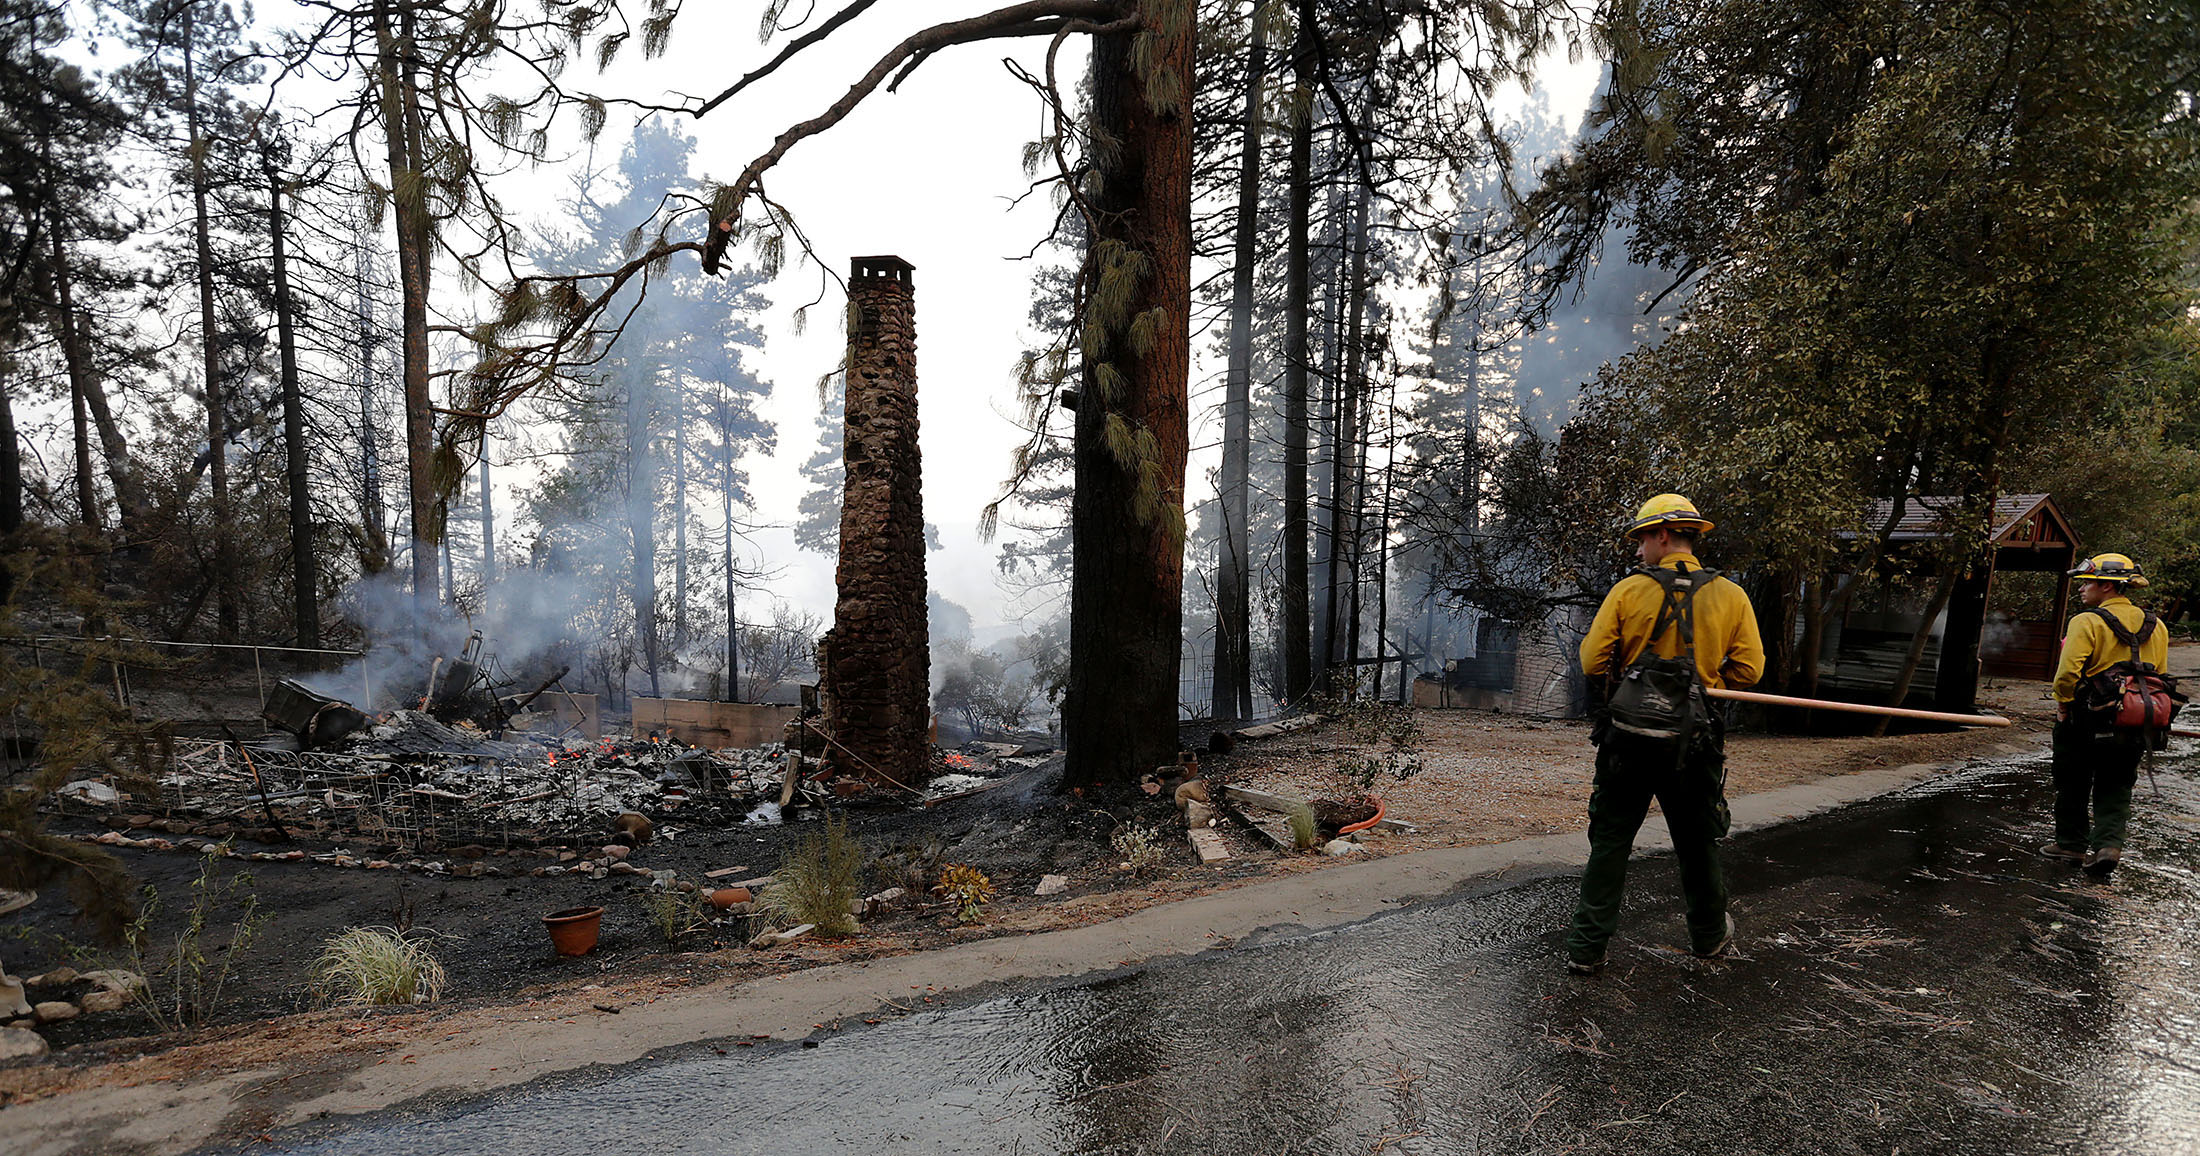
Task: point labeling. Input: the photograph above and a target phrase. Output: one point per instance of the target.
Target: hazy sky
(929, 173)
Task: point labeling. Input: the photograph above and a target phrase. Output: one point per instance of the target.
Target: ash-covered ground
(496, 834)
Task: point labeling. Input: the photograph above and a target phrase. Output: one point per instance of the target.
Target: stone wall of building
(878, 653)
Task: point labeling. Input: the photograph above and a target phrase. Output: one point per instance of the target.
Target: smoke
(531, 621)
(1611, 318)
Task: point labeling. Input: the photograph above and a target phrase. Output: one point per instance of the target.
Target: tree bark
(11, 483)
(641, 510)
(733, 609)
(84, 385)
(305, 571)
(375, 554)
(1126, 619)
(406, 135)
(11, 486)
(1341, 602)
(733, 586)
(488, 520)
(217, 433)
(1298, 676)
(1322, 432)
(87, 495)
(1233, 686)
(76, 360)
(679, 515)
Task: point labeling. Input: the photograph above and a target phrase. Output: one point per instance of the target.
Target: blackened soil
(492, 940)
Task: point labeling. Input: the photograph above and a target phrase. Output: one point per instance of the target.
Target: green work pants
(2092, 768)
(1693, 797)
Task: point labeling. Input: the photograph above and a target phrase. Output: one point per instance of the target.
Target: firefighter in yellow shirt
(2091, 765)
(1686, 774)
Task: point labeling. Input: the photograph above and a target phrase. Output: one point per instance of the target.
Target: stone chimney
(878, 654)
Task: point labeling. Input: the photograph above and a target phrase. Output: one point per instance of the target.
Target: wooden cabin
(1864, 651)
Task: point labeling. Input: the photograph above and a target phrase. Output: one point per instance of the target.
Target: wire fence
(188, 676)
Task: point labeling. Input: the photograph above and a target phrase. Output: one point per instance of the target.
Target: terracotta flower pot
(726, 897)
(1365, 823)
(573, 931)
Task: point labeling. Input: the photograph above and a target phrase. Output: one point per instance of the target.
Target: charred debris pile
(460, 766)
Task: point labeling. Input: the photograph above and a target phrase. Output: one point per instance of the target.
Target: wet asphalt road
(1912, 979)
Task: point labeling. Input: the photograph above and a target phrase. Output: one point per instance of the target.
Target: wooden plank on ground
(1266, 801)
(1269, 826)
(1284, 805)
(722, 872)
(979, 790)
(1279, 727)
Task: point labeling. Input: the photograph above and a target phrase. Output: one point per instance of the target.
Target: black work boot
(1725, 944)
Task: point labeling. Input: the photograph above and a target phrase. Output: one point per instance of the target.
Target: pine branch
(1014, 20)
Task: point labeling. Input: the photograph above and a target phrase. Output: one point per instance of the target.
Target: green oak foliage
(1927, 240)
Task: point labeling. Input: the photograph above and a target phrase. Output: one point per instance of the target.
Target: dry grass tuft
(375, 967)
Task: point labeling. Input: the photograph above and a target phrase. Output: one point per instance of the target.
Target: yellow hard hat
(1668, 511)
(2110, 568)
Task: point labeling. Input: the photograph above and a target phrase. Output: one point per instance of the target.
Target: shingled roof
(2019, 520)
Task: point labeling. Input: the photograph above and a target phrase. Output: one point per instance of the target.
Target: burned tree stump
(878, 653)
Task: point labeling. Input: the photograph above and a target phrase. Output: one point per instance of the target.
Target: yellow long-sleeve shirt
(1729, 652)
(2090, 647)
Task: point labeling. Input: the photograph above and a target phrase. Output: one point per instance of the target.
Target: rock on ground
(103, 1001)
(115, 979)
(20, 1044)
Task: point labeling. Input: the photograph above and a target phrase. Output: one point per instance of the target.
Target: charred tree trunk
(679, 515)
(1322, 431)
(305, 570)
(733, 585)
(86, 396)
(1233, 686)
(87, 494)
(488, 520)
(217, 433)
(1298, 676)
(406, 134)
(11, 486)
(733, 610)
(375, 550)
(1127, 516)
(641, 512)
(1341, 593)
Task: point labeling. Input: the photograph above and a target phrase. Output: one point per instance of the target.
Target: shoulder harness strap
(2125, 635)
(1679, 607)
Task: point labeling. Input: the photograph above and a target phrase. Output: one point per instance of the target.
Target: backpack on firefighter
(1658, 704)
(2131, 702)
